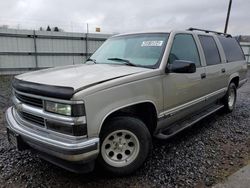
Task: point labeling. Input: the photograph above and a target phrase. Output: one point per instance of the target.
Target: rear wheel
(125, 145)
(229, 99)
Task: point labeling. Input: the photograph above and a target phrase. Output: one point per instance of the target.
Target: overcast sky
(126, 15)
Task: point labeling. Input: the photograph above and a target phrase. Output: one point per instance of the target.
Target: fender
(232, 76)
(121, 107)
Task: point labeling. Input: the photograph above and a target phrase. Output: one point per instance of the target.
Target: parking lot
(202, 155)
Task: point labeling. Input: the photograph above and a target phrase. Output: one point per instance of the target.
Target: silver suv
(134, 87)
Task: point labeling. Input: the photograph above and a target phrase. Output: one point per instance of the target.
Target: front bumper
(64, 149)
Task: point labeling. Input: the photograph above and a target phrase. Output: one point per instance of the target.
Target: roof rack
(208, 31)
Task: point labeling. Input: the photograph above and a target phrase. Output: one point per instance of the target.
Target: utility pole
(228, 15)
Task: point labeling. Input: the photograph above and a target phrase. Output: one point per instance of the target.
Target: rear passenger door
(215, 69)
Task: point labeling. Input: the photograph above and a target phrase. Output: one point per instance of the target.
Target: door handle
(203, 75)
(223, 70)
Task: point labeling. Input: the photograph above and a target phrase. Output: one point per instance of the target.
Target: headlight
(74, 110)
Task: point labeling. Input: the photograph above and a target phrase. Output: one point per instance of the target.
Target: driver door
(184, 92)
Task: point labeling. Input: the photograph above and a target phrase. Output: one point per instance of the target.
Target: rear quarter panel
(236, 69)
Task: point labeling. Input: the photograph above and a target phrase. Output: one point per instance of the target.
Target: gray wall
(25, 50)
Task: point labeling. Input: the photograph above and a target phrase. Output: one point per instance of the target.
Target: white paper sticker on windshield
(152, 43)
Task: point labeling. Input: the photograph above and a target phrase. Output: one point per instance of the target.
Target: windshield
(143, 50)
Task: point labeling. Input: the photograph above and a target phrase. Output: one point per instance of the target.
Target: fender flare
(121, 107)
(232, 76)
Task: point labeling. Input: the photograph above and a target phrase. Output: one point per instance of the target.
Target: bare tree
(48, 28)
(56, 29)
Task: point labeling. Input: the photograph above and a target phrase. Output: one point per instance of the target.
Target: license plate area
(15, 140)
(12, 138)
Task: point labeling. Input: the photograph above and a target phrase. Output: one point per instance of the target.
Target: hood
(77, 77)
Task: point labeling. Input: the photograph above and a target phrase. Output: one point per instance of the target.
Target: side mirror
(180, 66)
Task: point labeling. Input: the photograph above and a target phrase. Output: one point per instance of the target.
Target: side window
(210, 50)
(184, 48)
(232, 49)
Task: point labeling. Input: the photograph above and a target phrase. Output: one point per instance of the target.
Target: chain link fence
(56, 25)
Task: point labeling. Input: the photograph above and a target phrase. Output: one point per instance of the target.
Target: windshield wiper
(126, 61)
(93, 60)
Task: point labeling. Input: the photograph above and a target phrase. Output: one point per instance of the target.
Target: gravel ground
(201, 156)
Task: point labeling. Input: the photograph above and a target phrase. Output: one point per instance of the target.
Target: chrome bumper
(72, 150)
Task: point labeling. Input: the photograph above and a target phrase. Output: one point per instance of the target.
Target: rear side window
(210, 50)
(232, 49)
(184, 48)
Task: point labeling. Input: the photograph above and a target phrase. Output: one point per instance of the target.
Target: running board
(178, 127)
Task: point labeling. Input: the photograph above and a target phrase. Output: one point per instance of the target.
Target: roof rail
(208, 31)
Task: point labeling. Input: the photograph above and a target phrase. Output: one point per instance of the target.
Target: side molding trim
(175, 110)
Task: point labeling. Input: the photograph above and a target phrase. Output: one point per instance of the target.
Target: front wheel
(125, 145)
(229, 99)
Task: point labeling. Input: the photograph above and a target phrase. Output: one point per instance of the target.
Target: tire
(125, 145)
(229, 99)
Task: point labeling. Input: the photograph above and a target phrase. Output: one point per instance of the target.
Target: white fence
(245, 45)
(246, 49)
(24, 50)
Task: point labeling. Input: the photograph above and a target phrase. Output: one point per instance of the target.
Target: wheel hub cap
(120, 148)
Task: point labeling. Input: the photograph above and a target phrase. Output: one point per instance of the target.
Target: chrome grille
(32, 118)
(29, 100)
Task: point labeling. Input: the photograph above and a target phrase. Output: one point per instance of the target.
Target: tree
(56, 29)
(48, 28)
